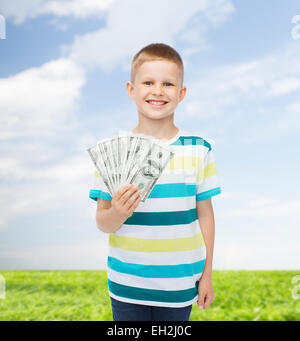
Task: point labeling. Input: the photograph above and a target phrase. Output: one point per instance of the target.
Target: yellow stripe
(185, 162)
(188, 162)
(208, 171)
(180, 162)
(156, 245)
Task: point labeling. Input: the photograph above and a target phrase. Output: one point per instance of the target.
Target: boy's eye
(151, 82)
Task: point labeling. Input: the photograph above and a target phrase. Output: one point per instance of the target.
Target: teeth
(155, 102)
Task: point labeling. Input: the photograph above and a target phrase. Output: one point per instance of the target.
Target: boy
(160, 251)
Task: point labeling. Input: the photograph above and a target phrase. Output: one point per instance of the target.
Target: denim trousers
(123, 311)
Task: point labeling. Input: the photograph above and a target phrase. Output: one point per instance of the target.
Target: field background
(83, 295)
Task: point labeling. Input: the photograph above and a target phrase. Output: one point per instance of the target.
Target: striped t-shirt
(157, 256)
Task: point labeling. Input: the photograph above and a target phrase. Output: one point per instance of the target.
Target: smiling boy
(161, 251)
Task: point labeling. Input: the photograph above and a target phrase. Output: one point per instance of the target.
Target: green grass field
(83, 295)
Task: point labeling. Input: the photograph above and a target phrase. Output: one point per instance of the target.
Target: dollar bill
(95, 155)
(105, 152)
(123, 157)
(150, 169)
(131, 159)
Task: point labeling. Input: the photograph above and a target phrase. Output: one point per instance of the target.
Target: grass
(83, 296)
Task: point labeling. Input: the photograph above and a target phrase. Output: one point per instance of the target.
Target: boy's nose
(157, 90)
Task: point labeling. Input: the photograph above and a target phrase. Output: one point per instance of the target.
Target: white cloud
(267, 208)
(86, 255)
(77, 8)
(283, 86)
(290, 120)
(37, 101)
(68, 170)
(229, 85)
(244, 256)
(257, 97)
(254, 205)
(30, 187)
(20, 11)
(126, 34)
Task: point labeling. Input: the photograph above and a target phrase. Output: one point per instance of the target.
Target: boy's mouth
(156, 104)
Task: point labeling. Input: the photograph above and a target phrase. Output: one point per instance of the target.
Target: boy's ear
(182, 93)
(129, 88)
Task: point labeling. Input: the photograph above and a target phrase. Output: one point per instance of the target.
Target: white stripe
(190, 150)
(210, 157)
(207, 184)
(158, 258)
(176, 176)
(154, 303)
(167, 204)
(159, 231)
(181, 283)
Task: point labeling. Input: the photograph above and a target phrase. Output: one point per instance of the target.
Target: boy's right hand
(126, 200)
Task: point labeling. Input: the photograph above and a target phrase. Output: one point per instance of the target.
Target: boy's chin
(155, 115)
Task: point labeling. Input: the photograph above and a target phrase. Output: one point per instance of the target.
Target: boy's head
(157, 51)
(156, 80)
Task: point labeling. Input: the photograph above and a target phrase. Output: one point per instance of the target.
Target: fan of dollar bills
(131, 159)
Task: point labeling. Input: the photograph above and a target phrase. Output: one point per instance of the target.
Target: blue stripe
(162, 218)
(143, 294)
(191, 140)
(165, 191)
(208, 194)
(96, 193)
(174, 190)
(156, 271)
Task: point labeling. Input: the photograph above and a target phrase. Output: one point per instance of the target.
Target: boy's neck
(162, 134)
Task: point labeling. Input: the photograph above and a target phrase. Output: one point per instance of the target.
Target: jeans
(123, 311)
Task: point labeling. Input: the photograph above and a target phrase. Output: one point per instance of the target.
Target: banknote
(131, 159)
(95, 155)
(106, 156)
(150, 169)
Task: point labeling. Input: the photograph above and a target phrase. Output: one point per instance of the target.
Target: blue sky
(64, 66)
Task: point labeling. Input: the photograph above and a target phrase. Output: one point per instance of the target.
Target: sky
(63, 70)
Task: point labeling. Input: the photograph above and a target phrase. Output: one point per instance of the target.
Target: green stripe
(162, 218)
(191, 140)
(172, 296)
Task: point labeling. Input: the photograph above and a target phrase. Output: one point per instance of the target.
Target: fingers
(201, 301)
(125, 199)
(135, 200)
(204, 301)
(121, 191)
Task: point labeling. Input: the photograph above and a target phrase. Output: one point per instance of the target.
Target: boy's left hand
(205, 292)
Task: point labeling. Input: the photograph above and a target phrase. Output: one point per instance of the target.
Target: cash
(129, 158)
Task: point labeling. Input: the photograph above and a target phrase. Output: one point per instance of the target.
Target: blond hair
(158, 51)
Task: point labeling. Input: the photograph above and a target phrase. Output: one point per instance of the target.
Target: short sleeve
(207, 183)
(99, 189)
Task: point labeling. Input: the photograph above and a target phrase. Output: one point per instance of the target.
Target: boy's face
(157, 80)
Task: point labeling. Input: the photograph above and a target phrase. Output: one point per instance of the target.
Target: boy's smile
(157, 89)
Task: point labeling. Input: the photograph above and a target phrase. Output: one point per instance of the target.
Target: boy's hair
(158, 51)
